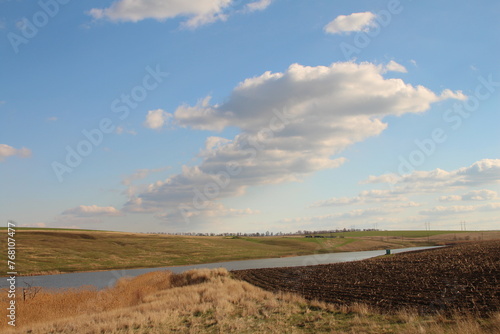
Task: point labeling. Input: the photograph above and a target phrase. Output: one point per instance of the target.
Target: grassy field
(211, 301)
(53, 251)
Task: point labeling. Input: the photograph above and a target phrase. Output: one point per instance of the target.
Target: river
(103, 279)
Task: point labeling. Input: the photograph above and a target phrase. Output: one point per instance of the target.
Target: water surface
(103, 279)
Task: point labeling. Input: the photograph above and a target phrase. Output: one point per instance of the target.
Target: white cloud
(480, 195)
(8, 151)
(92, 211)
(366, 196)
(358, 213)
(450, 198)
(349, 23)
(406, 204)
(483, 172)
(447, 210)
(385, 178)
(395, 67)
(490, 207)
(141, 174)
(474, 195)
(137, 205)
(352, 93)
(291, 124)
(39, 225)
(346, 217)
(202, 116)
(458, 209)
(336, 201)
(448, 94)
(122, 130)
(52, 119)
(156, 119)
(257, 5)
(211, 210)
(198, 12)
(486, 171)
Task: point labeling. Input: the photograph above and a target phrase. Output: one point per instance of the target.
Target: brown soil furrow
(460, 277)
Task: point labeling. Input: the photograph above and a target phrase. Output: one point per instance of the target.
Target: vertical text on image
(12, 273)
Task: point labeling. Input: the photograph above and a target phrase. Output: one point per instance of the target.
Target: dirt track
(462, 277)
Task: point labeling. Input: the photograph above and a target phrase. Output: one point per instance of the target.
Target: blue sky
(246, 116)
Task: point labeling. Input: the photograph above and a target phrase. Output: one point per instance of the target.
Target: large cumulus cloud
(292, 124)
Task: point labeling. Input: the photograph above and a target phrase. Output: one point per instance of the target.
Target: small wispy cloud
(142, 174)
(482, 172)
(92, 211)
(198, 12)
(257, 5)
(459, 209)
(351, 23)
(474, 195)
(34, 225)
(366, 196)
(122, 130)
(156, 119)
(8, 151)
(392, 66)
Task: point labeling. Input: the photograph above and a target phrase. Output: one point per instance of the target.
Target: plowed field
(463, 277)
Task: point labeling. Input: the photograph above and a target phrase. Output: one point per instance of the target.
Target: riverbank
(107, 278)
(52, 251)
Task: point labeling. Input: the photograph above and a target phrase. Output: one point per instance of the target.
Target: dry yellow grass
(210, 301)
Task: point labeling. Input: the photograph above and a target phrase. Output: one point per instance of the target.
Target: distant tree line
(265, 234)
